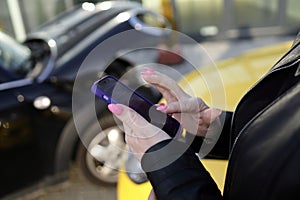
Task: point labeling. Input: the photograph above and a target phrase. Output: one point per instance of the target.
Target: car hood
(75, 24)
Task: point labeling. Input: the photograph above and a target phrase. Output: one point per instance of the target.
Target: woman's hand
(194, 115)
(140, 135)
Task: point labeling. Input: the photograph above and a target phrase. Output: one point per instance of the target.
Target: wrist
(150, 142)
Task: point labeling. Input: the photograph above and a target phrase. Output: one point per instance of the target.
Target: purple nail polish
(161, 108)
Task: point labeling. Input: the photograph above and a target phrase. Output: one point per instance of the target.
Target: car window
(14, 57)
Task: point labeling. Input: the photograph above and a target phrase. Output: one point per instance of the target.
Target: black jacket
(262, 136)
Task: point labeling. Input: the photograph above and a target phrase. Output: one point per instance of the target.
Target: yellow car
(237, 75)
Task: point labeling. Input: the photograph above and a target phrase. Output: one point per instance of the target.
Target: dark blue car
(38, 137)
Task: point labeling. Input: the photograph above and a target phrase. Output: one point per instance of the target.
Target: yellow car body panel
(237, 75)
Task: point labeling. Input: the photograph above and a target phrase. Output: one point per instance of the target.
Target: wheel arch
(69, 139)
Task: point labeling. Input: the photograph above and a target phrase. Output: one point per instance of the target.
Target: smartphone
(111, 90)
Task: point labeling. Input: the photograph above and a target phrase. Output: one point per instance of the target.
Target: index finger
(167, 86)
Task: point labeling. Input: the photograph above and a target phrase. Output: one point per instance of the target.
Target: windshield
(14, 57)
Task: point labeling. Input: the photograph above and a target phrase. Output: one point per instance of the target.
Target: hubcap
(104, 154)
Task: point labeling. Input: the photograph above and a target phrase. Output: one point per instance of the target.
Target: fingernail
(160, 104)
(149, 69)
(161, 107)
(115, 109)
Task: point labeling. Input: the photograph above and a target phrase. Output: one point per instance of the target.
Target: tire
(104, 169)
(101, 156)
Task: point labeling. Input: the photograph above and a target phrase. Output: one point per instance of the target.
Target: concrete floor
(76, 188)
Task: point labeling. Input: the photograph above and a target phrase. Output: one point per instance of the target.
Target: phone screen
(111, 90)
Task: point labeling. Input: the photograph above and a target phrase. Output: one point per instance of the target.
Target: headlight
(134, 170)
(42, 102)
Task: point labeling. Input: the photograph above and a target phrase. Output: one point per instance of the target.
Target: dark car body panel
(36, 145)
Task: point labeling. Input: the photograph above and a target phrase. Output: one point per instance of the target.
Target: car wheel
(100, 158)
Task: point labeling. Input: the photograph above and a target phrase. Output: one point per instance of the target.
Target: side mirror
(45, 54)
(51, 62)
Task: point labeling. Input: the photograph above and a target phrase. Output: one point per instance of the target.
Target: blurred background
(197, 18)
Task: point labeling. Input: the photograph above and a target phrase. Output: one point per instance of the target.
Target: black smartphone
(111, 90)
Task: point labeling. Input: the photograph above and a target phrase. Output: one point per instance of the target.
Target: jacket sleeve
(176, 173)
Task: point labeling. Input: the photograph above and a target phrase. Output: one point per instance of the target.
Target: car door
(16, 135)
(19, 151)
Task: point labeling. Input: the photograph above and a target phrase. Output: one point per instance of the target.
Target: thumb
(128, 116)
(183, 106)
(173, 107)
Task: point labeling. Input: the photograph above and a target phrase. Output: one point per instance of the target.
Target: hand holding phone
(111, 90)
